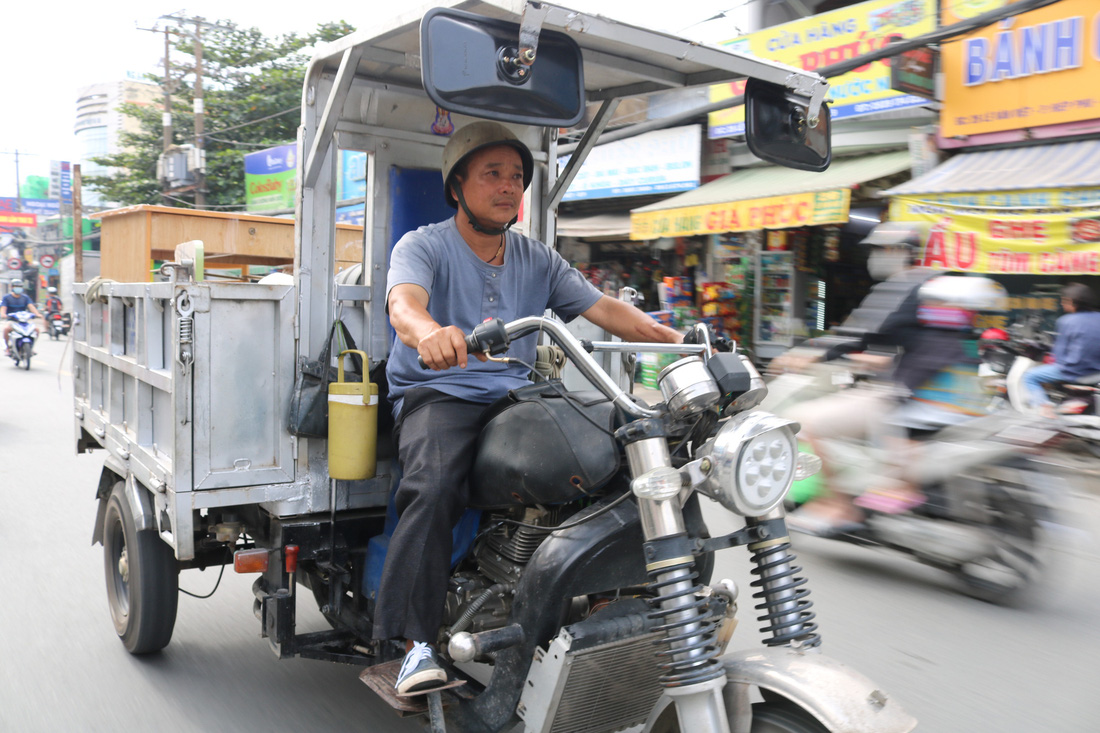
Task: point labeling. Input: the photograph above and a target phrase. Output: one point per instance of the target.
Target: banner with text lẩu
(991, 240)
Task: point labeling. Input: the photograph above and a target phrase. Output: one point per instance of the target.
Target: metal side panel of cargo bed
(186, 386)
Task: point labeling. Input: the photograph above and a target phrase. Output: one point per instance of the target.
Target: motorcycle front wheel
(26, 351)
(780, 716)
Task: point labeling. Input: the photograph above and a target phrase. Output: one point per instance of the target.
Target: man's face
(493, 184)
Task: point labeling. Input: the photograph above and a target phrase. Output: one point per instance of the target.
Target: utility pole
(78, 227)
(200, 176)
(18, 188)
(166, 117)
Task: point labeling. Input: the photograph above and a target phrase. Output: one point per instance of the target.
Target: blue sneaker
(419, 671)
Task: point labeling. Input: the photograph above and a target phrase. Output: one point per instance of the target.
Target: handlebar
(494, 336)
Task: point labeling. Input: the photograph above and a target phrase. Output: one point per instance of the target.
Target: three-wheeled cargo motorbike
(581, 596)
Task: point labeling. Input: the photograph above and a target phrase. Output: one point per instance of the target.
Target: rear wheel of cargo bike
(142, 579)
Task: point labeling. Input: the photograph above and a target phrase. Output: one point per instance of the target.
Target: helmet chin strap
(477, 226)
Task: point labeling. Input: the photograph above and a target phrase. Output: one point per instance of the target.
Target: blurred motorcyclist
(14, 302)
(1076, 348)
(53, 302)
(925, 341)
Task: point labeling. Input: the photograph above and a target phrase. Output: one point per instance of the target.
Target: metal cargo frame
(195, 411)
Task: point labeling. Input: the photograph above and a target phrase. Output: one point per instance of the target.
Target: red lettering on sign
(966, 249)
(1034, 229)
(935, 254)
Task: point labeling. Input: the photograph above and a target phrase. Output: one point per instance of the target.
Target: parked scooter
(21, 339)
(1006, 358)
(988, 494)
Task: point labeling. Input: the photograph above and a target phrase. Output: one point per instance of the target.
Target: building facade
(100, 122)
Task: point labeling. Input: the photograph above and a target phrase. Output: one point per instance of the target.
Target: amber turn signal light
(250, 561)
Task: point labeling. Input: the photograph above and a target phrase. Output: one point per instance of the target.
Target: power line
(254, 122)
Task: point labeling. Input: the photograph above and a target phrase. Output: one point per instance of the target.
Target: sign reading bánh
(1034, 69)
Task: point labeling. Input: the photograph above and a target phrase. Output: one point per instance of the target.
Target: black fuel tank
(540, 446)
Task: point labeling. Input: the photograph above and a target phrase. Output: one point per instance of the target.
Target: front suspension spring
(785, 599)
(690, 621)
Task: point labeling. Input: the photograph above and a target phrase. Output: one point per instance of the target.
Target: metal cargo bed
(186, 386)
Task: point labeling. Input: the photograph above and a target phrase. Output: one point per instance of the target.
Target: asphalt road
(958, 665)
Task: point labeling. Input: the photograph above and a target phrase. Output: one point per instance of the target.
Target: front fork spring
(690, 621)
(785, 601)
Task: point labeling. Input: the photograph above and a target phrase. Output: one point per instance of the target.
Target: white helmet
(949, 301)
(51, 290)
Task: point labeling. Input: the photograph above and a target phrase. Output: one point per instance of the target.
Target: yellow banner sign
(1037, 68)
(828, 38)
(13, 219)
(775, 212)
(1035, 241)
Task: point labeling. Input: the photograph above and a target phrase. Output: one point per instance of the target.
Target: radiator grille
(609, 687)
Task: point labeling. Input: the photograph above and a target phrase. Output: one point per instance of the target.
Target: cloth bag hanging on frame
(308, 416)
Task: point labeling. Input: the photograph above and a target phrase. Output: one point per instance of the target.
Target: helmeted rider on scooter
(899, 313)
(53, 302)
(17, 301)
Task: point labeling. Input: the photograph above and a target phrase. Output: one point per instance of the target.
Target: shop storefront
(777, 250)
(1027, 212)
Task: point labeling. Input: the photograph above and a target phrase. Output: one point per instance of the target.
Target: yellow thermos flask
(352, 425)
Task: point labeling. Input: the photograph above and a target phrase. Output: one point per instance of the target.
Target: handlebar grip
(489, 337)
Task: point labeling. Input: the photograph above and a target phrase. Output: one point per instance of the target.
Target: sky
(45, 58)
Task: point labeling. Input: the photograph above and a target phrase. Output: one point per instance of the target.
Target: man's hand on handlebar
(444, 348)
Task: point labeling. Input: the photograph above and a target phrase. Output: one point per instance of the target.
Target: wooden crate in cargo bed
(134, 237)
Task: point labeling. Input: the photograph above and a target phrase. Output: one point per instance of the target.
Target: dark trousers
(436, 442)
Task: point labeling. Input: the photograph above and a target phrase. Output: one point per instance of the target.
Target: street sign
(46, 260)
(14, 263)
(914, 72)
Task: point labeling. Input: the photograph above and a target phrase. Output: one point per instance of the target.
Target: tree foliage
(252, 88)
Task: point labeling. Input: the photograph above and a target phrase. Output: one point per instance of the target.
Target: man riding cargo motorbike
(444, 279)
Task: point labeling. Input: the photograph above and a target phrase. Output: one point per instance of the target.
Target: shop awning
(597, 225)
(1061, 165)
(768, 197)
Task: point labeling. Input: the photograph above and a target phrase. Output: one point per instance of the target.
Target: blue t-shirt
(1077, 348)
(15, 303)
(463, 291)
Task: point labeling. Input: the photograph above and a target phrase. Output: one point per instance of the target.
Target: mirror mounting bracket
(534, 14)
(814, 88)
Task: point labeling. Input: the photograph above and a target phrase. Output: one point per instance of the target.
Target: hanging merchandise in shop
(1033, 210)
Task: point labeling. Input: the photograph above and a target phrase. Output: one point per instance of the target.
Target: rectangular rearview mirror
(470, 66)
(777, 128)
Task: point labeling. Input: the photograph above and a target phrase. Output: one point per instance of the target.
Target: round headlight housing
(754, 458)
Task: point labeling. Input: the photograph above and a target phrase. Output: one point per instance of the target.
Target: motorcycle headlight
(754, 458)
